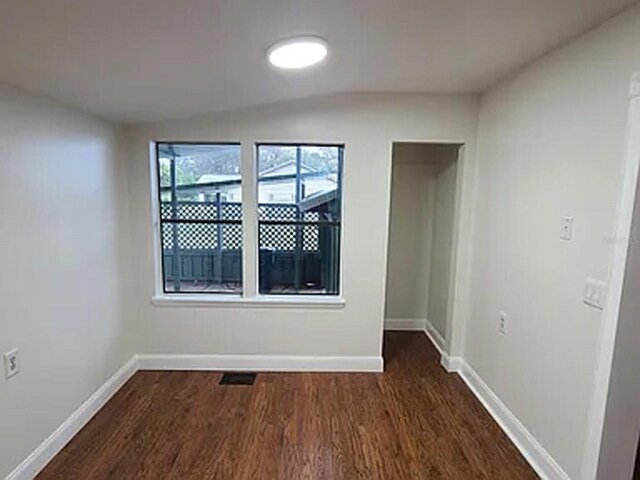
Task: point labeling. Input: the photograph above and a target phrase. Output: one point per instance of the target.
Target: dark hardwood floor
(415, 421)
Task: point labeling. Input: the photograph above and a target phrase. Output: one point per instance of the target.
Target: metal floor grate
(237, 378)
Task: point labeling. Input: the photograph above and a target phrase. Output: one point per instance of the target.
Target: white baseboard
(48, 449)
(451, 364)
(260, 363)
(435, 337)
(541, 461)
(405, 324)
(544, 465)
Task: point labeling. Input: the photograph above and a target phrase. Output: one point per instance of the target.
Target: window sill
(235, 301)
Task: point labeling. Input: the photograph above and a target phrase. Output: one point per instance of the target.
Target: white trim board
(409, 324)
(539, 459)
(451, 364)
(260, 363)
(55, 442)
(435, 337)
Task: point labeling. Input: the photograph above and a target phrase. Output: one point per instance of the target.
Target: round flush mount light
(297, 53)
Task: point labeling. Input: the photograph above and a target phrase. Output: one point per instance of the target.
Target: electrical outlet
(502, 323)
(566, 228)
(11, 363)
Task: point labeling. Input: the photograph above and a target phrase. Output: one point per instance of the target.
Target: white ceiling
(143, 60)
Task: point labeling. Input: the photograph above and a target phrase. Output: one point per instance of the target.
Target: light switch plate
(595, 293)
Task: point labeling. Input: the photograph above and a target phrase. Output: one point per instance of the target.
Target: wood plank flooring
(415, 421)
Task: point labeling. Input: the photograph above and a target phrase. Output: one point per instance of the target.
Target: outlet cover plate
(11, 360)
(566, 228)
(502, 323)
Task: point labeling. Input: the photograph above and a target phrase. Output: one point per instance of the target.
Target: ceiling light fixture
(297, 53)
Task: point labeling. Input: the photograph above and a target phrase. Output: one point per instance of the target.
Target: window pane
(201, 217)
(299, 212)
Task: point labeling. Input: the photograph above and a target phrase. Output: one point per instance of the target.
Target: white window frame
(249, 297)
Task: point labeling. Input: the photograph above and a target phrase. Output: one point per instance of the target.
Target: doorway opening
(422, 237)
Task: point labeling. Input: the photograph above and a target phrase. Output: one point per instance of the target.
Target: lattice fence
(283, 237)
(201, 236)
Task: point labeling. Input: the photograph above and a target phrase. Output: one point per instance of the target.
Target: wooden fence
(202, 242)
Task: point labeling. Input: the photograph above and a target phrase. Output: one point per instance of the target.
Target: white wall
(367, 124)
(440, 291)
(411, 220)
(551, 143)
(62, 304)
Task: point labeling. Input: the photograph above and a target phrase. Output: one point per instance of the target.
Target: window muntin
(299, 219)
(200, 202)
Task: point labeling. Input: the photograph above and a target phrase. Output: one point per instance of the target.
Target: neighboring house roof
(281, 174)
(317, 199)
(287, 168)
(222, 177)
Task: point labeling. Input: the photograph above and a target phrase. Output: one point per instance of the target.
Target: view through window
(200, 196)
(299, 218)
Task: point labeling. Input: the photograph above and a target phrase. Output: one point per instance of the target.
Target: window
(200, 206)
(296, 241)
(299, 214)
